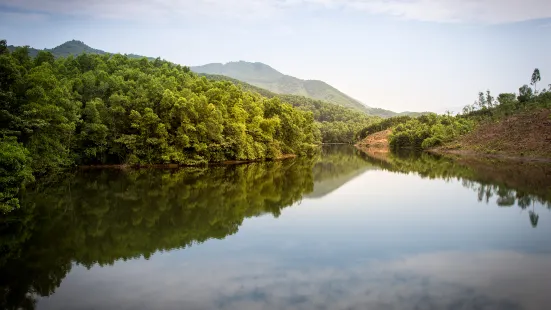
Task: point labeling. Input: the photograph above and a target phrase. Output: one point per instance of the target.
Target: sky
(414, 55)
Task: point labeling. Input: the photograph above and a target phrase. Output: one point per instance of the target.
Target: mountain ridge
(255, 73)
(72, 47)
(265, 76)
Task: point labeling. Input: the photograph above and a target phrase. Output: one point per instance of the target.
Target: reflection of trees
(534, 218)
(523, 184)
(506, 198)
(99, 217)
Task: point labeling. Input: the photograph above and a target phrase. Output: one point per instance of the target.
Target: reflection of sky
(381, 241)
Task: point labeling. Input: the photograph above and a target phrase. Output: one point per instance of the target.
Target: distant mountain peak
(72, 47)
(264, 76)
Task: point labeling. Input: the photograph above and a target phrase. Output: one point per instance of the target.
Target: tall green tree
(525, 94)
(535, 79)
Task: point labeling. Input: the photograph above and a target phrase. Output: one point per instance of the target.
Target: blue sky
(396, 54)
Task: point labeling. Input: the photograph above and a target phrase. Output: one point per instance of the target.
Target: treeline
(432, 130)
(382, 125)
(337, 124)
(488, 106)
(112, 109)
(428, 131)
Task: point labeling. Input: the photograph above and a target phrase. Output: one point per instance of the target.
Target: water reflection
(337, 165)
(100, 217)
(384, 232)
(525, 184)
(446, 280)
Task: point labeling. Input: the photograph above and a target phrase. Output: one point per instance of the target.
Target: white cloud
(485, 11)
(443, 280)
(482, 11)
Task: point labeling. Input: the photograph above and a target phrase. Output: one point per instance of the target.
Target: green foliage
(525, 94)
(337, 124)
(428, 131)
(71, 48)
(15, 172)
(113, 109)
(535, 79)
(433, 130)
(382, 125)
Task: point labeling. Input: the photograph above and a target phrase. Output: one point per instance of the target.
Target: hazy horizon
(399, 55)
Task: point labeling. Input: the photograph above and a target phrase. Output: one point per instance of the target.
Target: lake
(340, 230)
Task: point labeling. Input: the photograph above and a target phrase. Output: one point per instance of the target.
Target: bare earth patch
(522, 136)
(378, 140)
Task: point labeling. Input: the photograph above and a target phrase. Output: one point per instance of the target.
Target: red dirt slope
(378, 140)
(524, 134)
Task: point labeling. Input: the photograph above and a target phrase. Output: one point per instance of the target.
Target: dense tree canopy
(113, 109)
(428, 131)
(337, 124)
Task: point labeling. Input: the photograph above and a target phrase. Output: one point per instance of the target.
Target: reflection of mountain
(100, 217)
(338, 165)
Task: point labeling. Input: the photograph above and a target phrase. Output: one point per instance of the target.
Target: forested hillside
(337, 124)
(504, 124)
(112, 109)
(261, 74)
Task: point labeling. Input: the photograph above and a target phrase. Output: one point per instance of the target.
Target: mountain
(73, 47)
(264, 76)
(257, 74)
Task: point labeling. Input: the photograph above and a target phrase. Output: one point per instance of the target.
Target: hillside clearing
(526, 134)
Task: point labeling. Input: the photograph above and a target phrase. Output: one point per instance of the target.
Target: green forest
(56, 113)
(430, 130)
(337, 124)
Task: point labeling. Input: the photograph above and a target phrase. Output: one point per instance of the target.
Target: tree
(4, 47)
(15, 172)
(507, 101)
(481, 100)
(489, 99)
(524, 94)
(535, 79)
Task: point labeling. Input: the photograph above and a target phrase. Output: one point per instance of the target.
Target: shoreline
(499, 156)
(460, 154)
(177, 166)
(377, 143)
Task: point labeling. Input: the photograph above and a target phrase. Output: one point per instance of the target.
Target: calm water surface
(339, 231)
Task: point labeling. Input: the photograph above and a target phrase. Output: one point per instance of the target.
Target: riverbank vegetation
(113, 109)
(432, 130)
